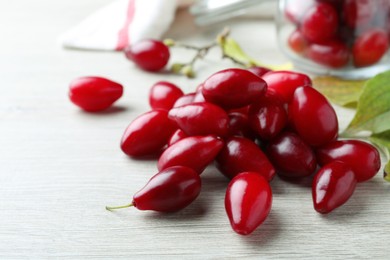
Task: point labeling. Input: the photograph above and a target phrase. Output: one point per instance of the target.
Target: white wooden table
(59, 167)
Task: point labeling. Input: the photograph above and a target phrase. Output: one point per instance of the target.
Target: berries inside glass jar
(336, 34)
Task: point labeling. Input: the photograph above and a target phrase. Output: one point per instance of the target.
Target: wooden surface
(59, 167)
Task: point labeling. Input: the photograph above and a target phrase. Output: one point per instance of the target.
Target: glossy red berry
(94, 94)
(163, 95)
(333, 54)
(259, 71)
(150, 55)
(185, 100)
(147, 134)
(195, 152)
(202, 118)
(312, 116)
(297, 41)
(332, 186)
(267, 118)
(233, 88)
(248, 201)
(239, 155)
(370, 47)
(169, 190)
(239, 125)
(199, 95)
(284, 83)
(176, 136)
(291, 156)
(362, 157)
(320, 23)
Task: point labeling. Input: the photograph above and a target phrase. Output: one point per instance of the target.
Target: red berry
(202, 118)
(147, 134)
(169, 190)
(185, 100)
(312, 116)
(163, 95)
(370, 47)
(195, 152)
(283, 83)
(233, 88)
(333, 54)
(320, 23)
(198, 95)
(94, 93)
(259, 71)
(239, 125)
(332, 186)
(267, 118)
(297, 42)
(248, 201)
(176, 136)
(240, 154)
(362, 157)
(291, 156)
(150, 55)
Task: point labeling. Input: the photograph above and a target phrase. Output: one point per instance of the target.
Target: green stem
(120, 207)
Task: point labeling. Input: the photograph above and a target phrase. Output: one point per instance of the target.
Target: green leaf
(233, 50)
(382, 140)
(387, 172)
(339, 91)
(373, 109)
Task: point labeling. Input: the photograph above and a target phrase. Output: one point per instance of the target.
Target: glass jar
(343, 38)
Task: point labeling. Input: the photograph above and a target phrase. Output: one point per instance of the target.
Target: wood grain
(59, 166)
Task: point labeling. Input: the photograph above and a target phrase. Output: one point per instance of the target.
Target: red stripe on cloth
(123, 35)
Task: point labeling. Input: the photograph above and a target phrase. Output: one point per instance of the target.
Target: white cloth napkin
(124, 22)
(121, 23)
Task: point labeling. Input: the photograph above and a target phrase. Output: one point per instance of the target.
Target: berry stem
(120, 207)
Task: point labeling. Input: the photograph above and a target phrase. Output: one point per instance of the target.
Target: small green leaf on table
(382, 140)
(339, 91)
(373, 109)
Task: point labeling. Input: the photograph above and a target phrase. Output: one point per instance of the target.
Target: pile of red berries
(252, 124)
(333, 32)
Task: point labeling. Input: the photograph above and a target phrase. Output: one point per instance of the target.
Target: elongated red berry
(185, 100)
(169, 190)
(176, 136)
(297, 41)
(147, 134)
(312, 116)
(291, 156)
(370, 47)
(333, 54)
(259, 71)
(239, 125)
(267, 118)
(320, 23)
(150, 55)
(248, 201)
(163, 95)
(239, 155)
(233, 88)
(332, 186)
(201, 118)
(284, 83)
(362, 157)
(195, 152)
(94, 94)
